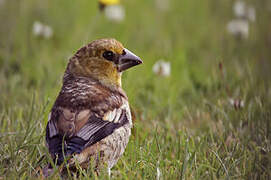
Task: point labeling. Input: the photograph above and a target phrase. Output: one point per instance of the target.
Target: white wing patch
(110, 115)
(114, 116)
(118, 114)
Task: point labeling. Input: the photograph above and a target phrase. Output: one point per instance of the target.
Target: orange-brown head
(103, 60)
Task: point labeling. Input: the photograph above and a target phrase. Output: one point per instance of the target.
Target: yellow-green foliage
(210, 119)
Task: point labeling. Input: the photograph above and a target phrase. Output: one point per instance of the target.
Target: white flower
(162, 68)
(42, 30)
(239, 9)
(47, 32)
(239, 28)
(242, 10)
(162, 5)
(115, 13)
(251, 14)
(37, 28)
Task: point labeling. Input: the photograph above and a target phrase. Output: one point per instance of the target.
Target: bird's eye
(109, 55)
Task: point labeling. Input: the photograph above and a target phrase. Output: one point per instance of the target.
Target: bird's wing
(70, 132)
(99, 128)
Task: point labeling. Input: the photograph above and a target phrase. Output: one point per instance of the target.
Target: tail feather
(61, 148)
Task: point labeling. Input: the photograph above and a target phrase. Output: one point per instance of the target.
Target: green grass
(185, 125)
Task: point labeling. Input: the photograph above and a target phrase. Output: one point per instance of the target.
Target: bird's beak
(128, 60)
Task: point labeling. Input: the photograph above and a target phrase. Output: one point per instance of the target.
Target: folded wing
(66, 135)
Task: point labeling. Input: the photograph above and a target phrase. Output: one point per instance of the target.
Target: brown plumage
(91, 117)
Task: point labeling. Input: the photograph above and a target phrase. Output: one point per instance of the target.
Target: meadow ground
(210, 119)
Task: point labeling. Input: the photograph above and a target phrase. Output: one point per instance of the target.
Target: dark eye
(109, 55)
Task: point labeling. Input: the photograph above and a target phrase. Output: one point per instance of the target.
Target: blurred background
(202, 98)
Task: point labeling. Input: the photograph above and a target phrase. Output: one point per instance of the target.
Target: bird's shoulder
(86, 93)
(85, 101)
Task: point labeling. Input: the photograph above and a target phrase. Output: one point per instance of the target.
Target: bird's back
(86, 119)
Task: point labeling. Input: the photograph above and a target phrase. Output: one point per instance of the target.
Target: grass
(185, 126)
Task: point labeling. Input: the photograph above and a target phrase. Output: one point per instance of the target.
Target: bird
(90, 121)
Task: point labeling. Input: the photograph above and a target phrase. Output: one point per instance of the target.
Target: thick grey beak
(128, 60)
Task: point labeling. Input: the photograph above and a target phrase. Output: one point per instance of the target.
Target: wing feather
(94, 125)
(94, 130)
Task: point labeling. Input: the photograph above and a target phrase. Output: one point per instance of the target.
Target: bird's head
(103, 60)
